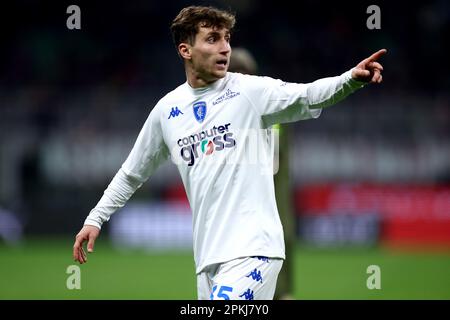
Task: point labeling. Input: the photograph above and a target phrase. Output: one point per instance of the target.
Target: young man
(238, 237)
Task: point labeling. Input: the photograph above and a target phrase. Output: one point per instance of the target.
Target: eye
(211, 39)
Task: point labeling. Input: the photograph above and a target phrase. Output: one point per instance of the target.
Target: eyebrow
(217, 33)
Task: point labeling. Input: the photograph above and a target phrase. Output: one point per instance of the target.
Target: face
(210, 54)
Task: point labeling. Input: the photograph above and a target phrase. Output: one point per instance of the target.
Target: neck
(196, 79)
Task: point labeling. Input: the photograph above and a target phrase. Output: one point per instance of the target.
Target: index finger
(377, 55)
(78, 243)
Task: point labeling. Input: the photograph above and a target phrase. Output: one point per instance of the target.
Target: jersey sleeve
(148, 152)
(279, 102)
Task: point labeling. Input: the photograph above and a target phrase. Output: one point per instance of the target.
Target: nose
(225, 47)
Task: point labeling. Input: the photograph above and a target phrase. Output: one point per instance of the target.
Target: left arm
(280, 102)
(328, 91)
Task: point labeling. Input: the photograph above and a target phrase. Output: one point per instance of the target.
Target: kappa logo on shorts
(265, 259)
(248, 295)
(256, 275)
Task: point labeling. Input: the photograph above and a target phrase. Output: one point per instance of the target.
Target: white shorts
(248, 278)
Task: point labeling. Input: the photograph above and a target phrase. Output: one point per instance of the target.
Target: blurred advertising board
(360, 213)
(152, 225)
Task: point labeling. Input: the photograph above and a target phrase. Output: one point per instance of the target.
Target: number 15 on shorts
(222, 293)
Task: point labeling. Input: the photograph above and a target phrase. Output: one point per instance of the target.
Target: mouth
(222, 63)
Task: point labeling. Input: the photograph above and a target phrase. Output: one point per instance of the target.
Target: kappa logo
(199, 111)
(175, 112)
(248, 295)
(256, 275)
(265, 259)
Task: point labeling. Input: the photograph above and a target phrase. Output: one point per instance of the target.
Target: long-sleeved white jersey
(217, 137)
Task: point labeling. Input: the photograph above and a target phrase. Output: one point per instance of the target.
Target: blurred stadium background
(370, 178)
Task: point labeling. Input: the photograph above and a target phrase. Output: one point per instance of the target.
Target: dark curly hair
(187, 23)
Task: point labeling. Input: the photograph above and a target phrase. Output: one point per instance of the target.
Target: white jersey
(217, 137)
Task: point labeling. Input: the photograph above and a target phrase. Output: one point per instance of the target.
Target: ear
(184, 49)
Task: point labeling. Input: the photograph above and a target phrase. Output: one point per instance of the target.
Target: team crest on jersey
(200, 111)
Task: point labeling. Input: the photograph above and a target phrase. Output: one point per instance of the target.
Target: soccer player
(203, 126)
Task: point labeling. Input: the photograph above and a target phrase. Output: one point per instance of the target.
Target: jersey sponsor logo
(206, 142)
(200, 111)
(227, 95)
(175, 112)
